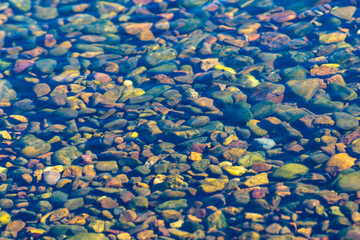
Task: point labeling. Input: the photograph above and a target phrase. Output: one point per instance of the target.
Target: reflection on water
(189, 119)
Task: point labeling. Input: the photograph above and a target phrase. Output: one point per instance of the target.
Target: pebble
(51, 177)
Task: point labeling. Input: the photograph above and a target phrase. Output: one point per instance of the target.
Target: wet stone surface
(190, 119)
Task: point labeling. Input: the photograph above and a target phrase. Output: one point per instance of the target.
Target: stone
(348, 182)
(51, 177)
(58, 214)
(263, 109)
(345, 13)
(74, 204)
(89, 236)
(22, 5)
(341, 93)
(107, 166)
(234, 170)
(211, 185)
(339, 162)
(345, 121)
(290, 171)
(41, 89)
(43, 206)
(136, 28)
(139, 203)
(303, 89)
(107, 203)
(299, 29)
(63, 229)
(5, 218)
(217, 220)
(33, 146)
(45, 13)
(334, 37)
(237, 113)
(160, 57)
(259, 179)
(172, 205)
(66, 155)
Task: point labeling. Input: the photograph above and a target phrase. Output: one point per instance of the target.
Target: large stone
(33, 146)
(66, 155)
(348, 183)
(7, 92)
(290, 171)
(238, 113)
(345, 121)
(303, 89)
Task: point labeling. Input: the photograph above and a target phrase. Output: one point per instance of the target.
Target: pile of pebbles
(189, 119)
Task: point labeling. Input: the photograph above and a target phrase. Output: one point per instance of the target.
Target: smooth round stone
(250, 158)
(58, 51)
(199, 121)
(334, 37)
(263, 143)
(345, 121)
(107, 166)
(290, 171)
(51, 177)
(46, 66)
(348, 183)
(6, 203)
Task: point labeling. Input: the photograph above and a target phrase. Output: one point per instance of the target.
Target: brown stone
(50, 40)
(59, 214)
(102, 77)
(128, 216)
(14, 227)
(136, 28)
(323, 70)
(89, 170)
(107, 203)
(285, 16)
(41, 89)
(72, 172)
(163, 79)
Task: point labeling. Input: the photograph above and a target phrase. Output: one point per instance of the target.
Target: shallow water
(190, 119)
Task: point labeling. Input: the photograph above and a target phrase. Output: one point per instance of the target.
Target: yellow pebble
(194, 156)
